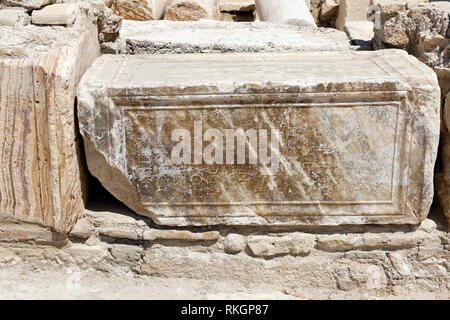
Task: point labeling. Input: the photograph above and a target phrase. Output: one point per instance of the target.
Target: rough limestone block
(191, 10)
(283, 11)
(55, 14)
(14, 17)
(39, 72)
(313, 139)
(420, 28)
(423, 29)
(140, 10)
(213, 36)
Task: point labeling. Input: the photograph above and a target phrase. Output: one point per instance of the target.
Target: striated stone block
(281, 139)
(40, 168)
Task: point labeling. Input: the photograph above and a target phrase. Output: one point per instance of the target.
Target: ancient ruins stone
(270, 246)
(416, 27)
(191, 10)
(140, 10)
(352, 137)
(369, 241)
(353, 19)
(82, 229)
(423, 30)
(14, 17)
(352, 11)
(283, 11)
(329, 10)
(55, 14)
(237, 10)
(357, 275)
(324, 12)
(234, 243)
(157, 234)
(109, 25)
(28, 4)
(39, 72)
(124, 253)
(212, 37)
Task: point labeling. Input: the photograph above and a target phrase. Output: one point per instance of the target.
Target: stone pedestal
(307, 139)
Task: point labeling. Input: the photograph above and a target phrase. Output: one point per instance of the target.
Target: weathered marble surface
(284, 10)
(213, 37)
(237, 10)
(357, 136)
(40, 152)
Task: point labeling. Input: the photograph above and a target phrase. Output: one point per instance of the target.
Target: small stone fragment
(271, 246)
(27, 4)
(368, 241)
(128, 254)
(157, 234)
(83, 229)
(234, 243)
(55, 14)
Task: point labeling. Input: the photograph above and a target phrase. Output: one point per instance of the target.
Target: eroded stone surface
(140, 10)
(212, 37)
(423, 29)
(351, 11)
(191, 10)
(14, 17)
(353, 137)
(28, 4)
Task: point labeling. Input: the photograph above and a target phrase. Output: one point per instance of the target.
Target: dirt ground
(19, 283)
